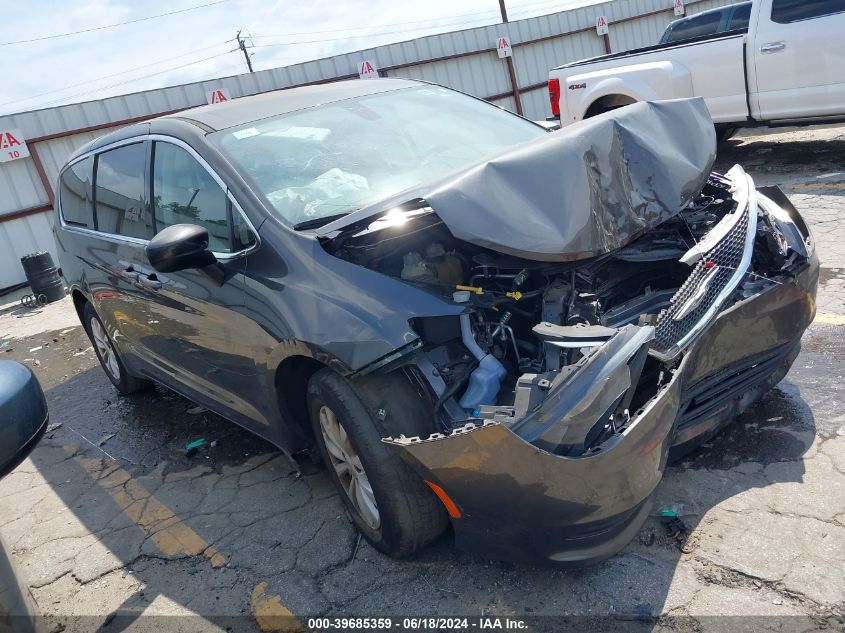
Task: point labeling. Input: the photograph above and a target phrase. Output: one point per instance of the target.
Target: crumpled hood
(587, 189)
(573, 194)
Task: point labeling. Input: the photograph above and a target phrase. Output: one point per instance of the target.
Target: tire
(409, 515)
(725, 132)
(108, 356)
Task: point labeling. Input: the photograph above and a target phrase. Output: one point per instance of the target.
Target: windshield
(335, 158)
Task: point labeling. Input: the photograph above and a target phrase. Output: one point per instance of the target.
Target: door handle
(772, 47)
(131, 274)
(149, 281)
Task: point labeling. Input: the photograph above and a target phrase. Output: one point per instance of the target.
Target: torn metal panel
(588, 189)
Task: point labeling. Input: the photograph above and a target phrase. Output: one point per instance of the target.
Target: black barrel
(43, 276)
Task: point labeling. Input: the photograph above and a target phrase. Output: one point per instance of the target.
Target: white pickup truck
(788, 68)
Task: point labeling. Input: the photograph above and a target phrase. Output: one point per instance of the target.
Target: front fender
(302, 295)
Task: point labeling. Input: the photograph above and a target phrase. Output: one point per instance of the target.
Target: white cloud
(91, 65)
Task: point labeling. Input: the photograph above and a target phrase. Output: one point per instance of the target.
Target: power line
(117, 74)
(493, 13)
(121, 83)
(111, 26)
(520, 13)
(362, 35)
(379, 33)
(359, 28)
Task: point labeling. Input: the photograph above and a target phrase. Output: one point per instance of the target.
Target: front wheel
(391, 507)
(108, 356)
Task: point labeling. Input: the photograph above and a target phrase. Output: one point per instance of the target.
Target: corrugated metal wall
(19, 237)
(20, 187)
(54, 152)
(465, 60)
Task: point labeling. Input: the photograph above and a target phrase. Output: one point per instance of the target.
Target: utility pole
(242, 46)
(511, 69)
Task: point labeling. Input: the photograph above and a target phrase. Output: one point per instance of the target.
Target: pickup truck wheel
(108, 356)
(724, 132)
(389, 504)
(607, 104)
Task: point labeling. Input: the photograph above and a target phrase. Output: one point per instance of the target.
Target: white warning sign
(12, 145)
(503, 47)
(367, 69)
(601, 25)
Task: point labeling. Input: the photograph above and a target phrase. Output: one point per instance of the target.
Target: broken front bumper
(519, 502)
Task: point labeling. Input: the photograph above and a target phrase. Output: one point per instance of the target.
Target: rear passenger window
(697, 26)
(185, 193)
(785, 11)
(740, 18)
(119, 192)
(75, 194)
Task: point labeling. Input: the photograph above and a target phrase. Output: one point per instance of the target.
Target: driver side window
(185, 193)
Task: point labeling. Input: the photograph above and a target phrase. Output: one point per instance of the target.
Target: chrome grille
(720, 269)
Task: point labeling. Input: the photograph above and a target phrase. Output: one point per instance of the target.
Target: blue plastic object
(23, 416)
(484, 383)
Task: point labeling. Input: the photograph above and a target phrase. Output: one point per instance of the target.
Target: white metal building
(465, 60)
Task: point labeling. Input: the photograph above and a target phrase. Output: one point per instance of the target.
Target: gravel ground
(109, 517)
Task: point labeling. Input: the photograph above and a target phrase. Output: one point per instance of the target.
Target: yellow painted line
(270, 614)
(829, 318)
(174, 537)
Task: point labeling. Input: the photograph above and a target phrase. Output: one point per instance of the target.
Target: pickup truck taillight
(554, 96)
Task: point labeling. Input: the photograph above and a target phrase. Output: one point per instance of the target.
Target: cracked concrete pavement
(233, 534)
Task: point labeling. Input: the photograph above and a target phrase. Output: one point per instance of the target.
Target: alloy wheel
(104, 347)
(347, 465)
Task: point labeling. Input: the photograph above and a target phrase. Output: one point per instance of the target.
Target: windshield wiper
(315, 223)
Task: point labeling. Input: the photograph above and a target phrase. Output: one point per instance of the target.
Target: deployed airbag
(587, 189)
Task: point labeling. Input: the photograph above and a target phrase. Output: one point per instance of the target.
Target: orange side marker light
(451, 506)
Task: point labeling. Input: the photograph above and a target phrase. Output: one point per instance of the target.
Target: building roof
(236, 112)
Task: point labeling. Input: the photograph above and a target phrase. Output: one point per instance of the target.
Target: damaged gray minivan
(466, 318)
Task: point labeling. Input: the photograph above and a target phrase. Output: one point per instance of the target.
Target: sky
(197, 42)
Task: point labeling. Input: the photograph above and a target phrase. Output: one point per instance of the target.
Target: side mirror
(23, 414)
(180, 247)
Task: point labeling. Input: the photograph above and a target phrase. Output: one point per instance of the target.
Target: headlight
(788, 233)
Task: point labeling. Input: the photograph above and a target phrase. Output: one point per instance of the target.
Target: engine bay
(528, 325)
